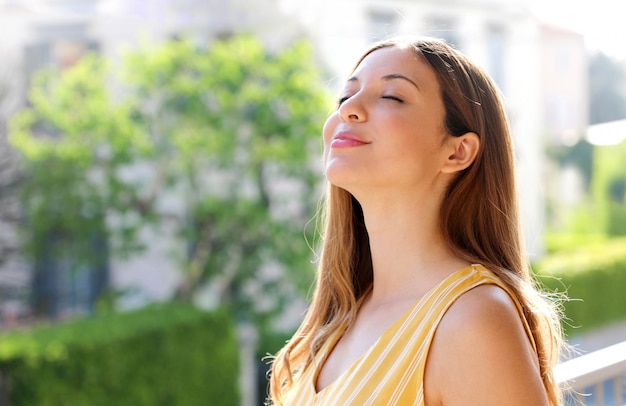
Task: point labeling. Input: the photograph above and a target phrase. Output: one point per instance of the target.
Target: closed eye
(390, 97)
(342, 99)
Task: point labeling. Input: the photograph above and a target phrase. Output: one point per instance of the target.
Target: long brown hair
(479, 220)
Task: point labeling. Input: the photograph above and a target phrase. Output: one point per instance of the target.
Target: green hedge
(161, 355)
(593, 278)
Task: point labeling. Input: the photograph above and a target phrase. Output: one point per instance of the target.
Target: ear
(464, 150)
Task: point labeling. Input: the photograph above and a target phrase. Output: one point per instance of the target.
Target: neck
(407, 245)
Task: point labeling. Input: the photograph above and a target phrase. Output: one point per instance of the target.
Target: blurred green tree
(216, 143)
(609, 187)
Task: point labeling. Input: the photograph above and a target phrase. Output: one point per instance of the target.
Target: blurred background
(160, 175)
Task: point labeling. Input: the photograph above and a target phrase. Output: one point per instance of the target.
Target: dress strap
(446, 294)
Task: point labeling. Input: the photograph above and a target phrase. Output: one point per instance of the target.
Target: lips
(347, 139)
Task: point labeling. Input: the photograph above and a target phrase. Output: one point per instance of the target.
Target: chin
(352, 174)
(350, 181)
(338, 173)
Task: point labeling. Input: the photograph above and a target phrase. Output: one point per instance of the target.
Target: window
(64, 284)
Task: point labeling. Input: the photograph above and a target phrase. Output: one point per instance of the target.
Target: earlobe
(465, 149)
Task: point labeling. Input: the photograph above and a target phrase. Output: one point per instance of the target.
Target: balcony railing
(596, 378)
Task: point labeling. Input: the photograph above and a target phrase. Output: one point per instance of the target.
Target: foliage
(161, 355)
(593, 277)
(609, 187)
(75, 141)
(579, 155)
(558, 242)
(595, 213)
(603, 210)
(213, 141)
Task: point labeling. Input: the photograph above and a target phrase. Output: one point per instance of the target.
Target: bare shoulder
(481, 355)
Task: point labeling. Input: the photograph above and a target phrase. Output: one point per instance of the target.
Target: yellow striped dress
(391, 372)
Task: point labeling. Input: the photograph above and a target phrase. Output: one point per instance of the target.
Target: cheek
(329, 127)
(327, 133)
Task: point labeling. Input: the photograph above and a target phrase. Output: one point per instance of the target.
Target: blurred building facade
(564, 85)
(524, 57)
(565, 115)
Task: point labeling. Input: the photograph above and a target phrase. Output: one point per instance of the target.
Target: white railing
(596, 378)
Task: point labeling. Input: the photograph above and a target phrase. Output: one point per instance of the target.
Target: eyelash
(399, 100)
(395, 98)
(341, 100)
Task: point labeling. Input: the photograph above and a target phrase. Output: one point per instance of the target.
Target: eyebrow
(389, 77)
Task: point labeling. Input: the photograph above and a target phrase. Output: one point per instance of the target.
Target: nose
(353, 109)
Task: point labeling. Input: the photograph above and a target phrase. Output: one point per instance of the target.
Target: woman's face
(388, 130)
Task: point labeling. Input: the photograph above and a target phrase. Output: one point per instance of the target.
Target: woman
(423, 295)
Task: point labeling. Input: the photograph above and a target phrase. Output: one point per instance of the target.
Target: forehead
(390, 57)
(394, 59)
